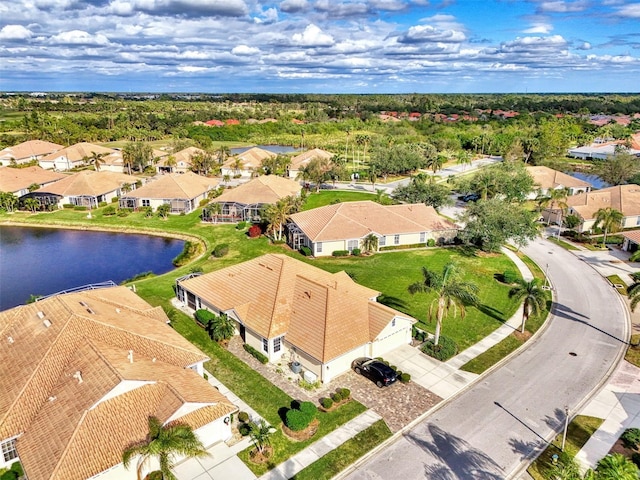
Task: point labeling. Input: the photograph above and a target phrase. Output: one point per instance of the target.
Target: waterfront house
(82, 372)
(624, 198)
(246, 164)
(19, 180)
(302, 160)
(294, 312)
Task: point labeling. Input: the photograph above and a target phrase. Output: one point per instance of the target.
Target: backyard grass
(337, 460)
(283, 448)
(633, 352)
(616, 280)
(563, 244)
(578, 433)
(327, 197)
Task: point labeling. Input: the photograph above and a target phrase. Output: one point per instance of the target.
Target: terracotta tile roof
(29, 149)
(183, 156)
(624, 198)
(77, 152)
(304, 158)
(89, 182)
(264, 189)
(177, 185)
(358, 219)
(548, 178)
(63, 420)
(15, 179)
(252, 158)
(633, 235)
(324, 314)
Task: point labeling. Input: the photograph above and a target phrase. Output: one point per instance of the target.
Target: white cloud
(584, 46)
(268, 16)
(629, 11)
(79, 37)
(312, 36)
(15, 32)
(542, 28)
(561, 6)
(244, 50)
(428, 33)
(293, 6)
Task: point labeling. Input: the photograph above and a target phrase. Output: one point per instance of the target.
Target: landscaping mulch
(302, 435)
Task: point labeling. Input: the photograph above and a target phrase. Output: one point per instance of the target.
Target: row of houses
(603, 149)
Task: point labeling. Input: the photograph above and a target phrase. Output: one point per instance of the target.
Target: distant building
(18, 180)
(77, 155)
(27, 151)
(247, 163)
(302, 160)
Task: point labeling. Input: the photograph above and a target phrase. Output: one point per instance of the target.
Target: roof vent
(84, 304)
(46, 322)
(40, 315)
(91, 311)
(130, 356)
(10, 340)
(52, 398)
(117, 310)
(78, 376)
(153, 359)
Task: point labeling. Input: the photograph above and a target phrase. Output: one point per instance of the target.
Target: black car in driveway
(375, 370)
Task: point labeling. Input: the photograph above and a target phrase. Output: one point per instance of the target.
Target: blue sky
(320, 46)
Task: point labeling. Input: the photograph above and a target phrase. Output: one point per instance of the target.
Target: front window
(423, 237)
(351, 244)
(146, 202)
(265, 345)
(382, 241)
(319, 247)
(9, 451)
(396, 239)
(277, 344)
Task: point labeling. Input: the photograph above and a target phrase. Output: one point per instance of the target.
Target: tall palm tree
(610, 219)
(533, 297)
(616, 467)
(436, 162)
(277, 214)
(452, 293)
(260, 434)
(96, 159)
(463, 158)
(370, 243)
(163, 442)
(555, 200)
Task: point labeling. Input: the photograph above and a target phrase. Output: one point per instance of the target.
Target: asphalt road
(495, 428)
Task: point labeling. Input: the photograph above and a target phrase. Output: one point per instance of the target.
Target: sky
(320, 46)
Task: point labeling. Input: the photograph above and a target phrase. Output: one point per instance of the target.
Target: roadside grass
(594, 247)
(616, 280)
(562, 243)
(327, 197)
(337, 460)
(578, 433)
(633, 352)
(283, 448)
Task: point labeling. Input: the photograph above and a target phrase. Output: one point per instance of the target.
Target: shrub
(9, 475)
(255, 231)
(340, 253)
(431, 242)
(297, 420)
(204, 316)
(17, 467)
(124, 212)
(635, 458)
(243, 417)
(155, 475)
(509, 276)
(114, 199)
(80, 208)
(402, 247)
(631, 438)
(221, 250)
(102, 204)
(302, 383)
(405, 378)
(68, 205)
(393, 367)
(336, 397)
(445, 349)
(356, 252)
(326, 403)
(189, 250)
(108, 211)
(256, 354)
(203, 202)
(241, 225)
(309, 409)
(306, 251)
(244, 429)
(345, 393)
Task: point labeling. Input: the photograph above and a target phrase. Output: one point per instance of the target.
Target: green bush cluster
(204, 316)
(356, 252)
(244, 429)
(431, 242)
(445, 349)
(241, 225)
(256, 354)
(631, 438)
(300, 415)
(326, 402)
(243, 417)
(115, 199)
(109, 211)
(419, 335)
(80, 208)
(340, 253)
(14, 472)
(221, 250)
(510, 276)
(189, 250)
(403, 247)
(336, 397)
(124, 212)
(306, 251)
(345, 393)
(68, 205)
(102, 204)
(405, 377)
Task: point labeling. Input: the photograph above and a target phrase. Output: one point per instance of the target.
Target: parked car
(472, 197)
(374, 370)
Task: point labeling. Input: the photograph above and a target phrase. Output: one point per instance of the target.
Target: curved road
(494, 429)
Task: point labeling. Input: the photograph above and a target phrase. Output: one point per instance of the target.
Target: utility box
(309, 377)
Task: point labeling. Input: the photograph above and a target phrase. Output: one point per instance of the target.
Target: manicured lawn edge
(616, 280)
(633, 351)
(340, 458)
(563, 244)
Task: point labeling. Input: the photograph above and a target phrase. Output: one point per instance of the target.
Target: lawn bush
(221, 250)
(309, 409)
(204, 316)
(244, 429)
(68, 205)
(124, 212)
(189, 251)
(510, 276)
(345, 393)
(635, 458)
(445, 349)
(109, 211)
(256, 354)
(431, 242)
(102, 204)
(255, 231)
(326, 403)
(9, 475)
(306, 251)
(405, 378)
(356, 252)
(80, 208)
(115, 199)
(243, 417)
(631, 438)
(340, 253)
(403, 247)
(241, 225)
(297, 420)
(336, 397)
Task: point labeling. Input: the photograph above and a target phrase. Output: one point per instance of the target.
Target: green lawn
(327, 197)
(563, 244)
(633, 352)
(337, 460)
(616, 280)
(579, 432)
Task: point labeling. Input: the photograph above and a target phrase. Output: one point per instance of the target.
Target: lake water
(594, 180)
(270, 148)
(43, 261)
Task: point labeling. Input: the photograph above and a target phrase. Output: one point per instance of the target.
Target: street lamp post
(566, 427)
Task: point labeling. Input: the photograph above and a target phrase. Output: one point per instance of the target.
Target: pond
(42, 261)
(594, 180)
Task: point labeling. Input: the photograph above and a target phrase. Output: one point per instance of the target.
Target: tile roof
(176, 185)
(263, 189)
(324, 314)
(548, 178)
(358, 219)
(183, 156)
(15, 179)
(304, 158)
(64, 420)
(29, 149)
(624, 198)
(88, 182)
(633, 235)
(251, 158)
(77, 152)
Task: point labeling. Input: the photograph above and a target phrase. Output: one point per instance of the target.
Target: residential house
(246, 164)
(624, 198)
(292, 311)
(27, 151)
(182, 191)
(87, 188)
(77, 155)
(244, 202)
(603, 149)
(547, 179)
(83, 372)
(343, 226)
(179, 162)
(302, 160)
(18, 180)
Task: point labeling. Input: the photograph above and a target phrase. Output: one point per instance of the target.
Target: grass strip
(563, 244)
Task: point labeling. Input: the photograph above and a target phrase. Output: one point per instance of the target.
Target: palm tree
(610, 219)
(163, 210)
(277, 214)
(436, 162)
(97, 159)
(555, 199)
(370, 243)
(616, 467)
(221, 328)
(164, 441)
(463, 158)
(260, 434)
(533, 297)
(31, 204)
(452, 293)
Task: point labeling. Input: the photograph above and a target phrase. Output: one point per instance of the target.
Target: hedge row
(256, 354)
